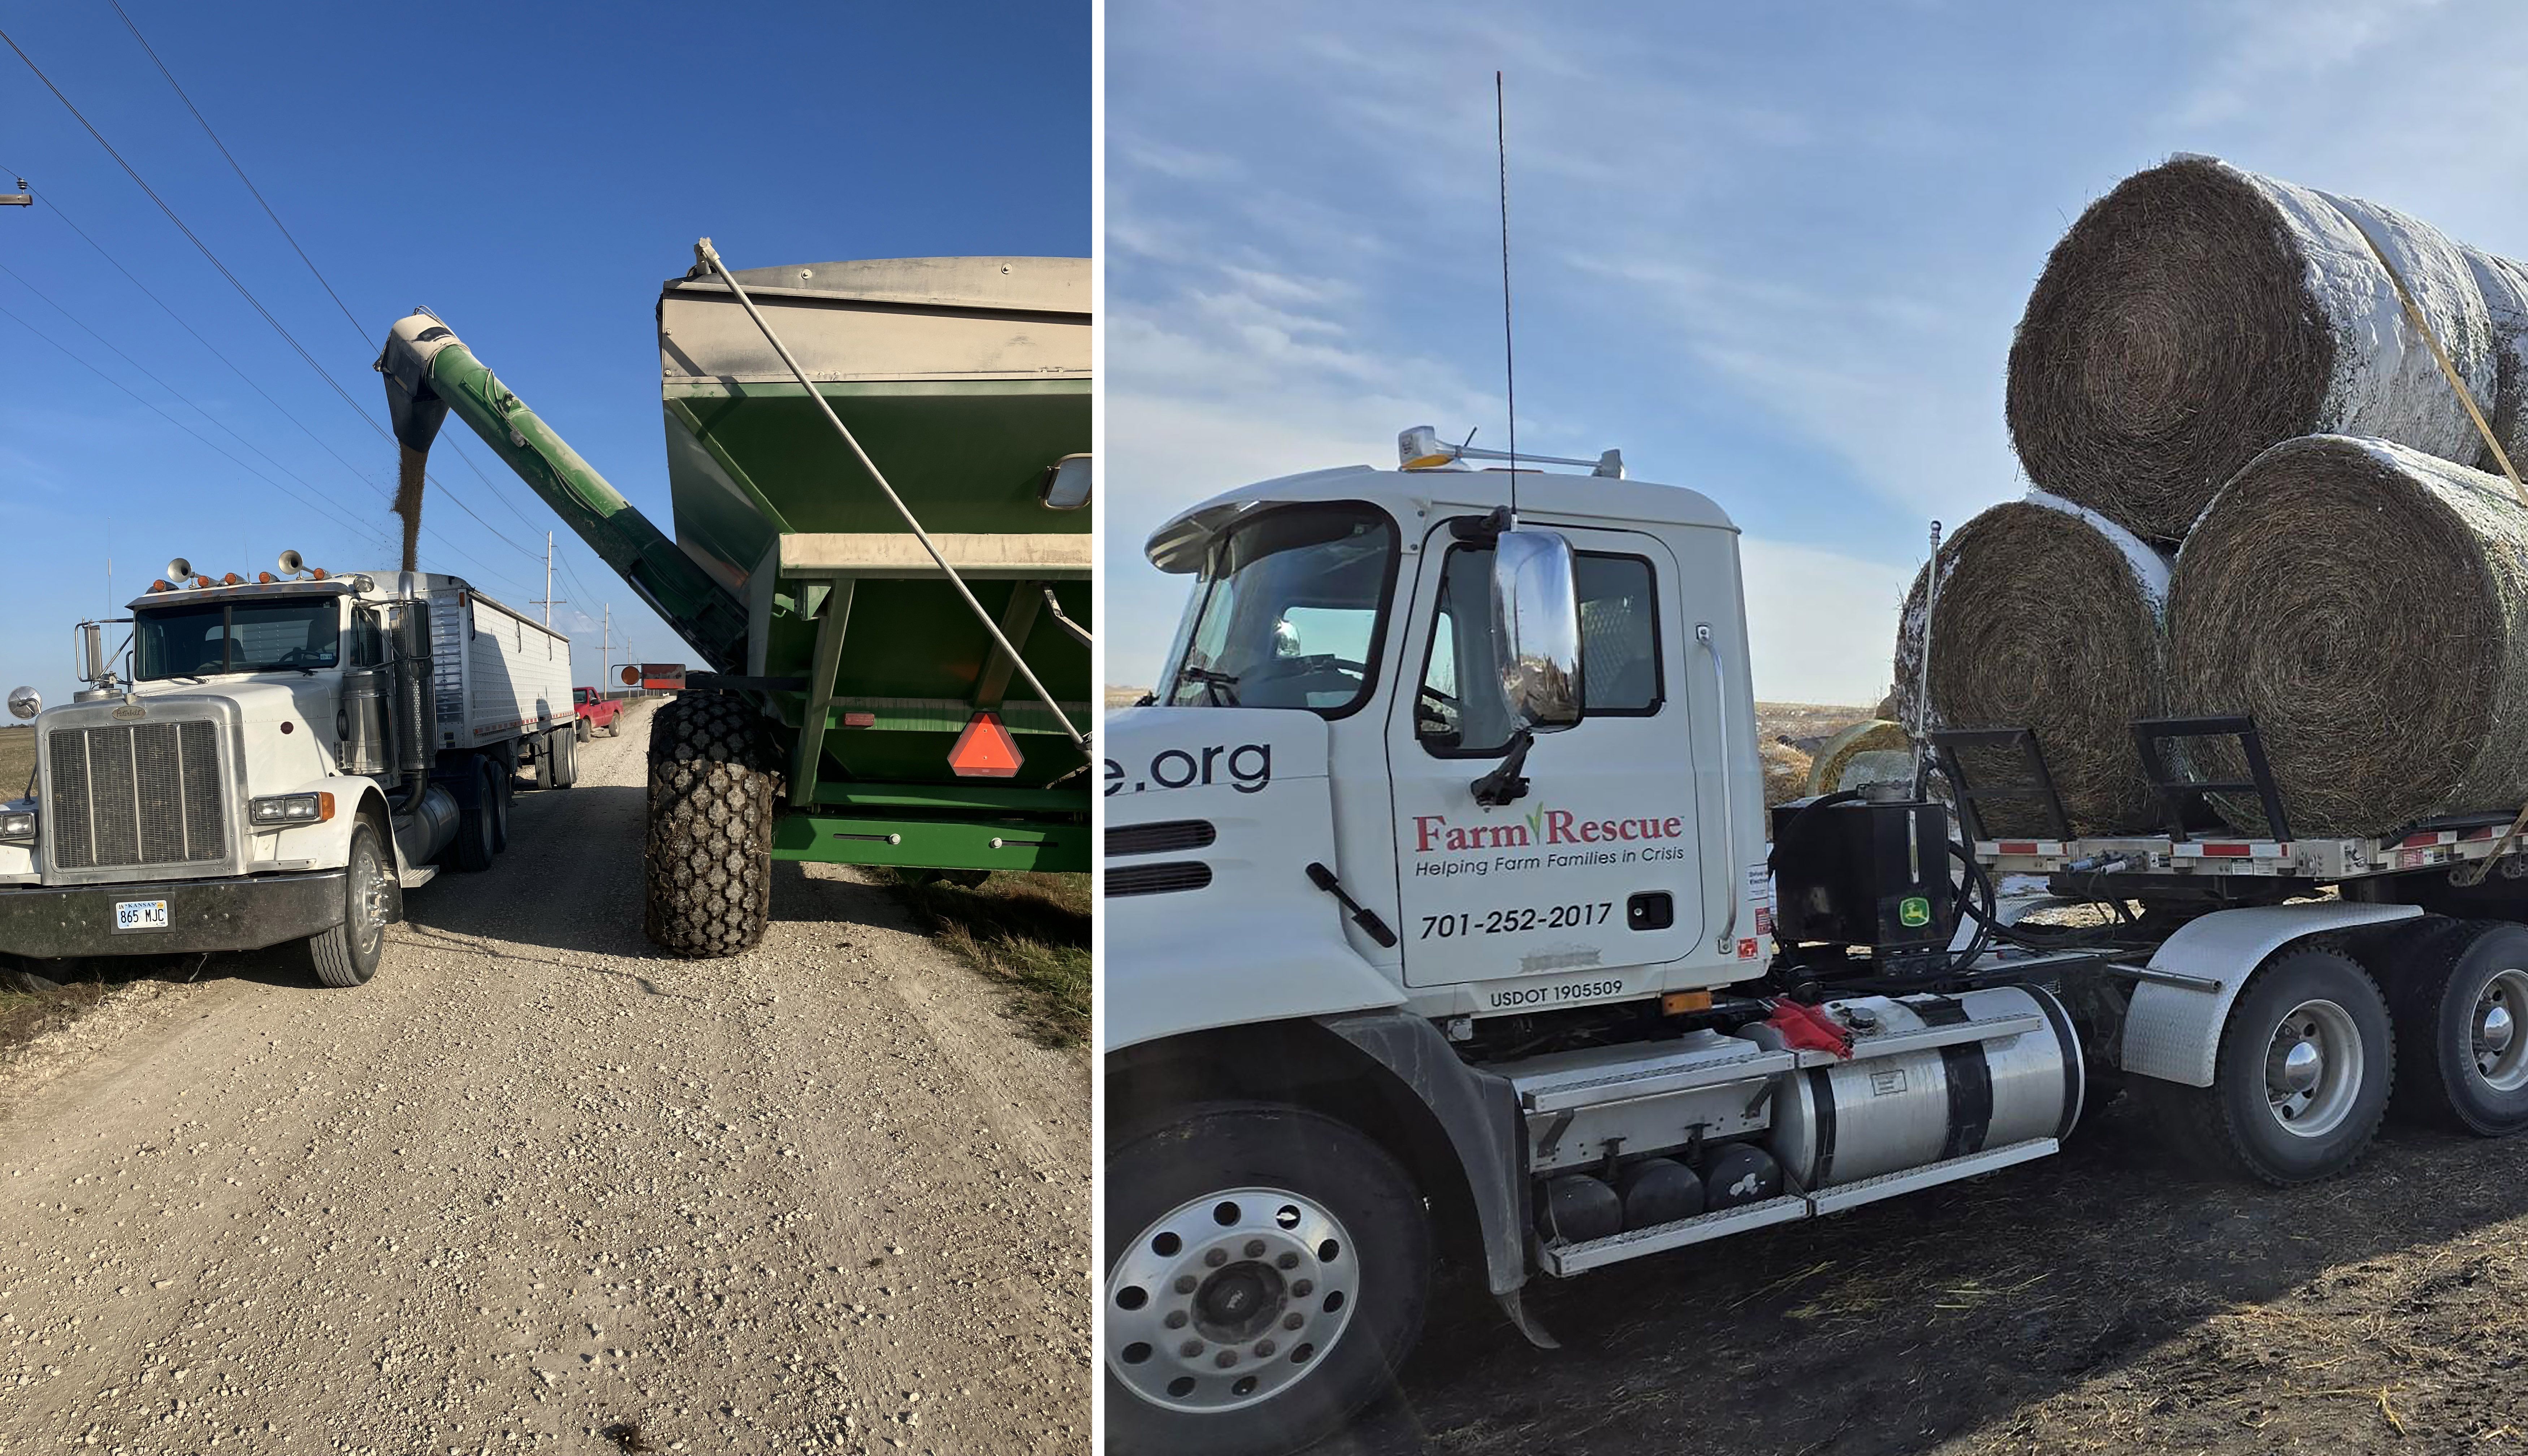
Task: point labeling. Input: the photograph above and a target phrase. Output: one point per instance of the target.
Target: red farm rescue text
(1547, 826)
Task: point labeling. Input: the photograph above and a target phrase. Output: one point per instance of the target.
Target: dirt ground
(2094, 1302)
(537, 1189)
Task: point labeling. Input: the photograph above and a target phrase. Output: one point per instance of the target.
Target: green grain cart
(880, 477)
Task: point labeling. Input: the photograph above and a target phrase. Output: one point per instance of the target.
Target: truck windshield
(234, 637)
(1288, 613)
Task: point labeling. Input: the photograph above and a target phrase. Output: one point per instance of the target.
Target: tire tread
(707, 858)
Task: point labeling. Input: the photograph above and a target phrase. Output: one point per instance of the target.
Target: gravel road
(537, 1189)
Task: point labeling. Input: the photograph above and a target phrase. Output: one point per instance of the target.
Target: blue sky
(1773, 252)
(531, 173)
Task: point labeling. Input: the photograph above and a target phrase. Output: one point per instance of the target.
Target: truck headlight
(290, 808)
(17, 826)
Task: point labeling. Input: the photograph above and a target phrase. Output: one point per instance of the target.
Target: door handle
(1728, 792)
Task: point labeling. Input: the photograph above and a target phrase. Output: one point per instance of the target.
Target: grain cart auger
(878, 470)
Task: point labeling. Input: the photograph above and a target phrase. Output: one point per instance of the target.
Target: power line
(235, 167)
(440, 536)
(243, 291)
(56, 306)
(234, 366)
(327, 284)
(154, 409)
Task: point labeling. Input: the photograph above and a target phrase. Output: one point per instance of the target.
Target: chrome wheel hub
(2313, 1068)
(1230, 1299)
(2501, 1051)
(370, 897)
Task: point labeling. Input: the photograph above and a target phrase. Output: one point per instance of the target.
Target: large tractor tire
(707, 870)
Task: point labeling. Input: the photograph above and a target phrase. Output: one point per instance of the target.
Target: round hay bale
(1873, 751)
(2050, 618)
(1786, 771)
(2368, 604)
(2199, 313)
(2505, 286)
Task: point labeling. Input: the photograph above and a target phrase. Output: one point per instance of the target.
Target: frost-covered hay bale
(2199, 313)
(2368, 604)
(2048, 618)
(2505, 286)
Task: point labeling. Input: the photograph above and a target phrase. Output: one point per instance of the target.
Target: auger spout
(430, 371)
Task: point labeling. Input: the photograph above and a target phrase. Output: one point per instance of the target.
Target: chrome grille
(135, 793)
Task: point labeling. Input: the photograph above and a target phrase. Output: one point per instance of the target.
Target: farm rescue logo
(1547, 839)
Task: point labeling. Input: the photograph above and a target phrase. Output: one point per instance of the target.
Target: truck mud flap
(1478, 1112)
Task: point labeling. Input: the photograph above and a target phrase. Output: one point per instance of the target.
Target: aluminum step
(1947, 1171)
(1566, 1260)
(416, 876)
(1571, 1259)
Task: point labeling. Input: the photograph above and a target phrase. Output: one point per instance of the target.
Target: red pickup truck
(594, 712)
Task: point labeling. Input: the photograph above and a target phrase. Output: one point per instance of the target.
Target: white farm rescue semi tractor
(1444, 918)
(276, 762)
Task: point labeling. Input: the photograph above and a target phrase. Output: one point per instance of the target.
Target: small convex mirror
(1536, 619)
(1067, 485)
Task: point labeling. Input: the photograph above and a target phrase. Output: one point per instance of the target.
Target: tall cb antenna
(1509, 359)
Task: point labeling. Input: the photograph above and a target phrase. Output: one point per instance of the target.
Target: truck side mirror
(92, 651)
(1536, 619)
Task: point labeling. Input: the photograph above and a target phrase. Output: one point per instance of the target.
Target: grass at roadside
(16, 760)
(26, 1015)
(1029, 932)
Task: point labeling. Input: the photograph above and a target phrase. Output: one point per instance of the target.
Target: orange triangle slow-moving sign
(986, 749)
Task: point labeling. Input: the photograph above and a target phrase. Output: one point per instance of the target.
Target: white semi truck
(277, 760)
(1445, 918)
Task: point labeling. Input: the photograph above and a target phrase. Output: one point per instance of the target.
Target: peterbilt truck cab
(274, 762)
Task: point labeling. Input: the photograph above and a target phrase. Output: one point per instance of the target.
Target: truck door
(1577, 888)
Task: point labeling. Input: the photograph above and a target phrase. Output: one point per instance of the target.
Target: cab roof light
(1421, 448)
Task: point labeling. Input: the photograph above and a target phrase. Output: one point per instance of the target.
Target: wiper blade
(1214, 684)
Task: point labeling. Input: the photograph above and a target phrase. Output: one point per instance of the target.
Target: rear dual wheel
(2461, 1008)
(2301, 1079)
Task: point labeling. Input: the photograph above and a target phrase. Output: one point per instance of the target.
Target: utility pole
(604, 641)
(548, 601)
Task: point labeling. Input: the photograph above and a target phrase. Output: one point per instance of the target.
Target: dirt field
(535, 1188)
(2093, 1303)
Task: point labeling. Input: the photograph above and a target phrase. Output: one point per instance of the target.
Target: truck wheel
(2301, 1080)
(349, 954)
(707, 870)
(2462, 1012)
(579, 730)
(561, 760)
(505, 785)
(1269, 1271)
(476, 801)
